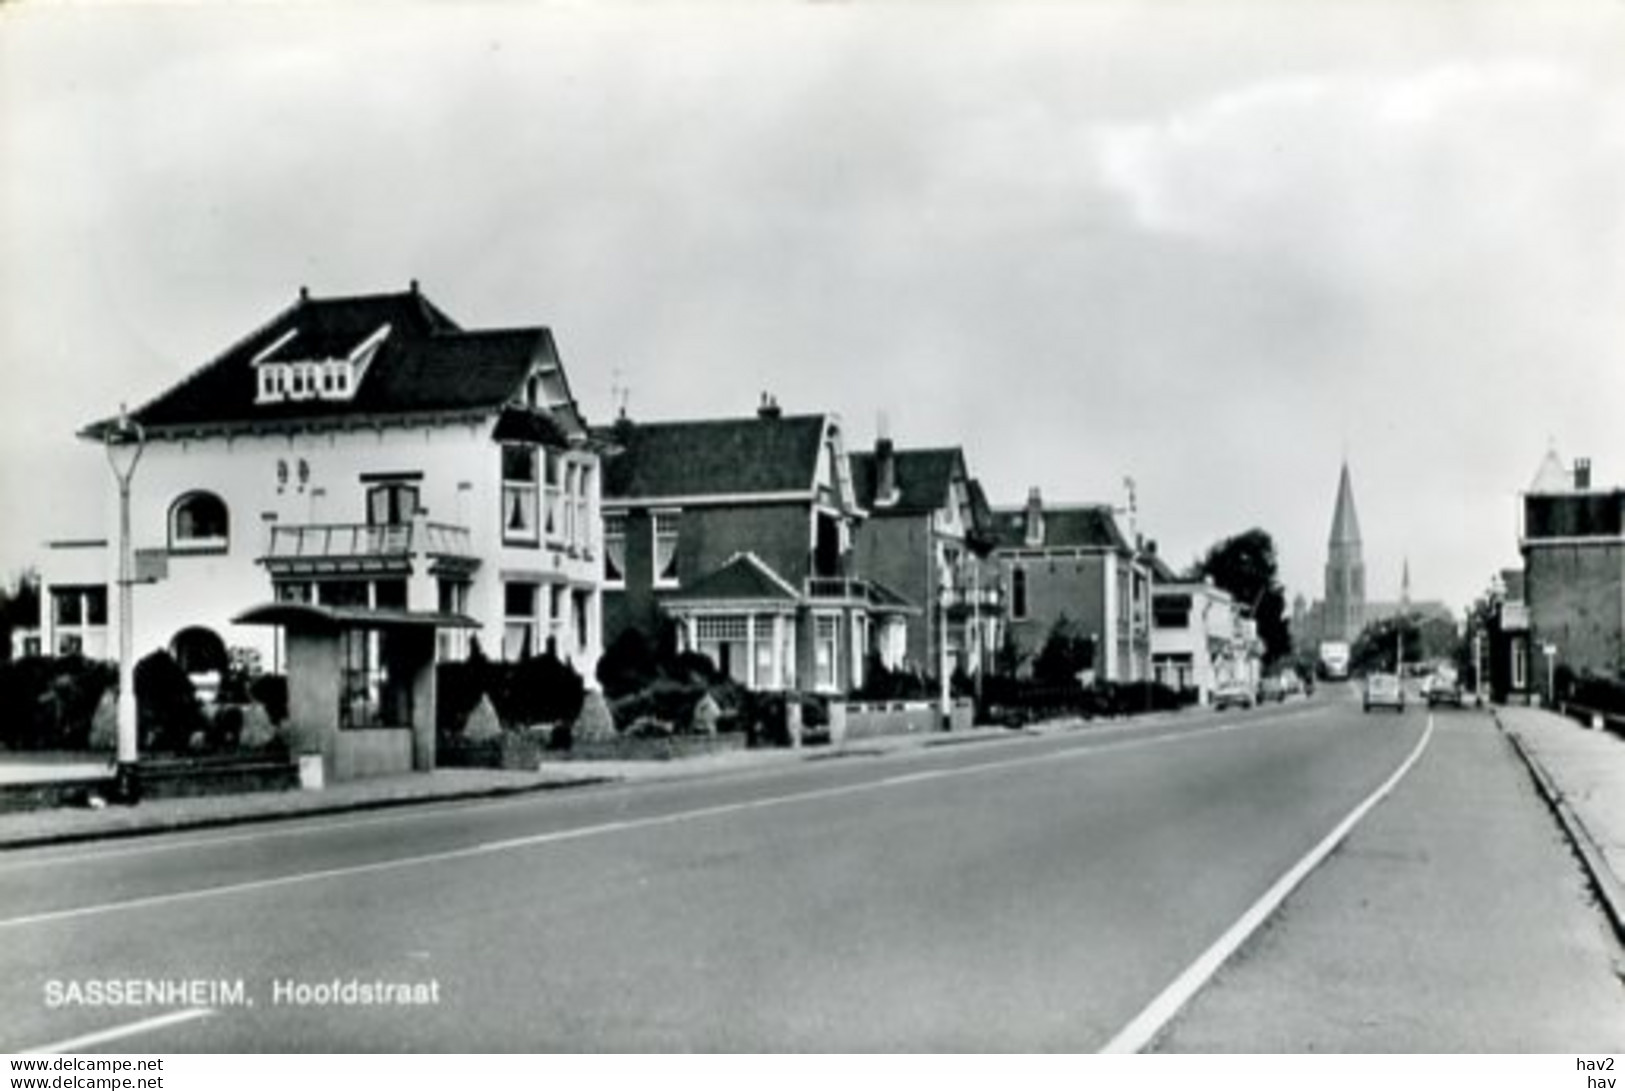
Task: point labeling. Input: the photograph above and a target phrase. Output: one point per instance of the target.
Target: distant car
(1385, 690)
(1442, 688)
(1271, 689)
(1291, 684)
(1232, 695)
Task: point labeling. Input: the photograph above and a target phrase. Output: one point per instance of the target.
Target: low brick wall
(868, 719)
(166, 778)
(43, 794)
(651, 749)
(374, 752)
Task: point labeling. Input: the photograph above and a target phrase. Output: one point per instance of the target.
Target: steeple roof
(1345, 523)
(1551, 476)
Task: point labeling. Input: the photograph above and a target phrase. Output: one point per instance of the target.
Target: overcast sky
(1213, 250)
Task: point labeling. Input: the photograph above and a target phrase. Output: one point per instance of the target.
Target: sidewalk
(1581, 772)
(62, 825)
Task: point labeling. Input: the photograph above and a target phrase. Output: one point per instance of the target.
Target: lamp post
(124, 442)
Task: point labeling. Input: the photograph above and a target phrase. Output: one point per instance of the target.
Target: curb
(1610, 891)
(212, 822)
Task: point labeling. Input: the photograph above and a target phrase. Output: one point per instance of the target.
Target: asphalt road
(1034, 894)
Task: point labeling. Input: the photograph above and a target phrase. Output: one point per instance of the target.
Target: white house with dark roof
(357, 453)
(742, 531)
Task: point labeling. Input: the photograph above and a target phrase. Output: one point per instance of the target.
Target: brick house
(1573, 544)
(1073, 561)
(360, 453)
(928, 524)
(742, 531)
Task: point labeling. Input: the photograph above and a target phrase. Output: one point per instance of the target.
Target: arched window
(198, 522)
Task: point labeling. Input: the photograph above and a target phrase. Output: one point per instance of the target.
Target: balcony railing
(334, 541)
(968, 598)
(838, 587)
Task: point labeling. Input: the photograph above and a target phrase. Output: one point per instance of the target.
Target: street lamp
(124, 441)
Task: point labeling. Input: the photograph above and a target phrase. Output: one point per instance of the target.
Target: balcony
(367, 547)
(966, 599)
(855, 591)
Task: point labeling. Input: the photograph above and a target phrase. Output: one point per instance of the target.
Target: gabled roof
(744, 578)
(734, 457)
(924, 479)
(1073, 527)
(425, 364)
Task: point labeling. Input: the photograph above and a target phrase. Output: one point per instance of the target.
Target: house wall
(707, 538)
(1071, 586)
(460, 485)
(1576, 597)
(900, 552)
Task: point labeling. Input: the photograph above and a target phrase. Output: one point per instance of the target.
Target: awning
(311, 616)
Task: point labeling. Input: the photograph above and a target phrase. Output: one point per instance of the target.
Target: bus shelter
(361, 684)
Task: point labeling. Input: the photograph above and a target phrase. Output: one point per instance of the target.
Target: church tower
(1345, 569)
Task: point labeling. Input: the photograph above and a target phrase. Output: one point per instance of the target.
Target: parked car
(1291, 684)
(1271, 689)
(1233, 695)
(1442, 688)
(1385, 690)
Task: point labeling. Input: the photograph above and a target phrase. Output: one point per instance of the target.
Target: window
(391, 504)
(294, 591)
(519, 601)
(558, 596)
(584, 509)
(343, 593)
(80, 616)
(553, 519)
(361, 680)
(389, 594)
(1018, 593)
(665, 552)
(615, 548)
(452, 598)
(1520, 664)
(519, 495)
(725, 641)
(581, 613)
(826, 650)
(198, 523)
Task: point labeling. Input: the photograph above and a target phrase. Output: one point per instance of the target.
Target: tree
(1422, 640)
(19, 608)
(1244, 565)
(1065, 655)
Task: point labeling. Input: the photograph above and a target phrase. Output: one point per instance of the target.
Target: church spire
(1345, 568)
(1345, 523)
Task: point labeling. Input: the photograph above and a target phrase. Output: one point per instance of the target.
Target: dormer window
(335, 379)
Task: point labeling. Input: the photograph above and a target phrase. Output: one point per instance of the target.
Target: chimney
(1035, 517)
(414, 285)
(1582, 474)
(885, 466)
(769, 409)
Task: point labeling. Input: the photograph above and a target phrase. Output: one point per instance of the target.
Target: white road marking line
(126, 1030)
(556, 836)
(1144, 1028)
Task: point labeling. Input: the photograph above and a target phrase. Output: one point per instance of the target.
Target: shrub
(104, 724)
(168, 711)
(258, 730)
(1065, 655)
(270, 692)
(594, 724)
(48, 703)
(539, 689)
(482, 723)
(881, 683)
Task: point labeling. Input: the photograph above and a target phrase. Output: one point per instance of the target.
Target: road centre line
(125, 1030)
(1143, 1029)
(654, 821)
